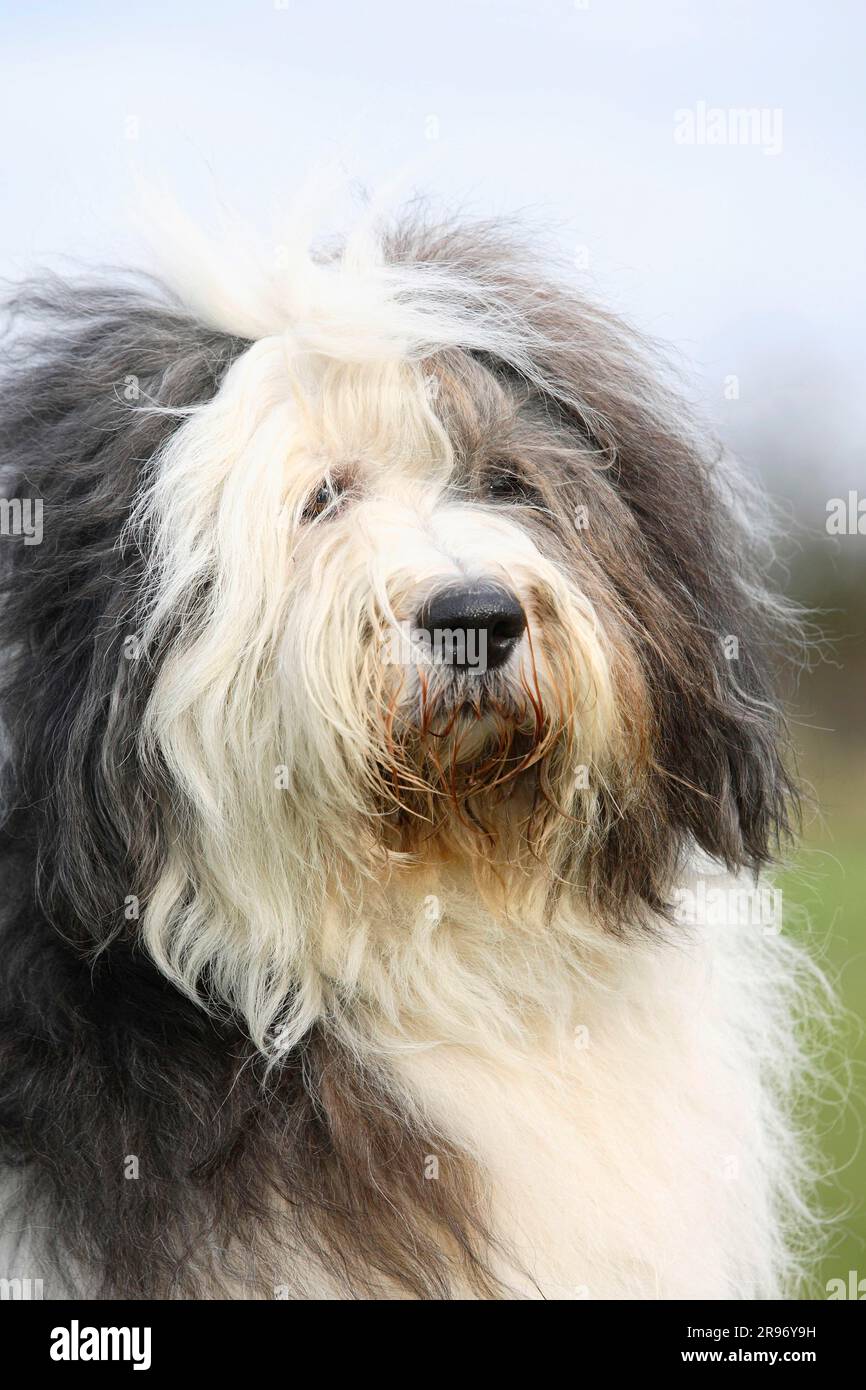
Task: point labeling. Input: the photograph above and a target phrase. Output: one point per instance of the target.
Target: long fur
(374, 971)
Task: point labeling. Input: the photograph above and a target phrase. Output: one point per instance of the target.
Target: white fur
(641, 1148)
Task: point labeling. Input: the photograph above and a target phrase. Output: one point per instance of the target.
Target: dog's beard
(479, 763)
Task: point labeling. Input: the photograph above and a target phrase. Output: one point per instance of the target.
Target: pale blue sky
(750, 262)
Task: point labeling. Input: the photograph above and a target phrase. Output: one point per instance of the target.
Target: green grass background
(828, 884)
(825, 886)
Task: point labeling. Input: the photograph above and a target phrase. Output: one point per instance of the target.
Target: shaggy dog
(390, 752)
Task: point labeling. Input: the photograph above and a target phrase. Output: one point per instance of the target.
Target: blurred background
(700, 166)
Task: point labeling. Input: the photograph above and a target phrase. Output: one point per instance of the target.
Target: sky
(611, 123)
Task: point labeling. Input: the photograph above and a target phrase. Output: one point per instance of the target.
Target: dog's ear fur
(691, 562)
(685, 542)
(107, 370)
(708, 633)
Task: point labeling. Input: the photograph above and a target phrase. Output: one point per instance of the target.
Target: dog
(392, 761)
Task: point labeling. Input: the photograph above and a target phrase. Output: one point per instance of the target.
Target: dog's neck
(443, 954)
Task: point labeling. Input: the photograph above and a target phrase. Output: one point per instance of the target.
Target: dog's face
(406, 614)
(443, 632)
(427, 573)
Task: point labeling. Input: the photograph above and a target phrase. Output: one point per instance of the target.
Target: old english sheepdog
(390, 761)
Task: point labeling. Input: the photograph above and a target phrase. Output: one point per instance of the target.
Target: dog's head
(433, 572)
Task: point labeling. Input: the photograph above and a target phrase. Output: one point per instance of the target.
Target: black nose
(472, 626)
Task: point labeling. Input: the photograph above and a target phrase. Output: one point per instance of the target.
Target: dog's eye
(329, 491)
(508, 486)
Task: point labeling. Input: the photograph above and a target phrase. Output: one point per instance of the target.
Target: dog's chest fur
(633, 1148)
